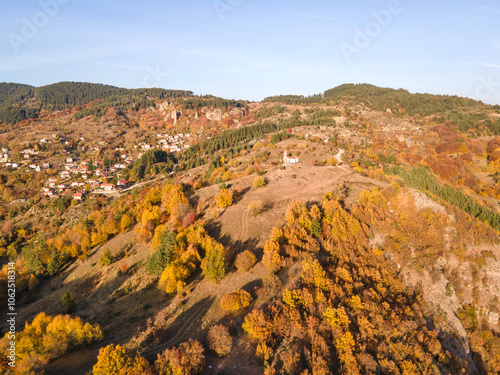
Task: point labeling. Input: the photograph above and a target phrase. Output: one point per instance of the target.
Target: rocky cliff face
(215, 115)
(168, 109)
(237, 112)
(166, 106)
(175, 115)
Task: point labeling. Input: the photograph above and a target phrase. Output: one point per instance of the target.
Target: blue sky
(246, 49)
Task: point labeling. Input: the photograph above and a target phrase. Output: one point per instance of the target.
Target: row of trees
(422, 179)
(230, 140)
(210, 102)
(294, 99)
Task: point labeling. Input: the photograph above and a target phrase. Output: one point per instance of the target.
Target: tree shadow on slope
(118, 309)
(214, 229)
(186, 325)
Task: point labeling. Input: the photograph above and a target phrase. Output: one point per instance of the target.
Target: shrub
(259, 181)
(224, 198)
(245, 261)
(189, 219)
(123, 268)
(256, 207)
(106, 259)
(219, 340)
(236, 300)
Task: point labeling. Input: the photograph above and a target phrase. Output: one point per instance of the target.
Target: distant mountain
(383, 98)
(19, 102)
(464, 113)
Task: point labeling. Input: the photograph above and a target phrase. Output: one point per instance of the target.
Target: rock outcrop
(168, 109)
(237, 112)
(215, 115)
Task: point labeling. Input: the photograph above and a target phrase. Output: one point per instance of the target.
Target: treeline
(210, 101)
(69, 94)
(323, 117)
(12, 95)
(120, 103)
(64, 95)
(294, 99)
(399, 100)
(14, 92)
(269, 111)
(422, 179)
(232, 140)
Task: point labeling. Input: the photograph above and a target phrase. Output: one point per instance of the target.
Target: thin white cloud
(490, 65)
(487, 65)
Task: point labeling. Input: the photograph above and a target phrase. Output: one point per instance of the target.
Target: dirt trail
(190, 321)
(308, 189)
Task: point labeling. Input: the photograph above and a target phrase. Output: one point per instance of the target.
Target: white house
(108, 187)
(289, 160)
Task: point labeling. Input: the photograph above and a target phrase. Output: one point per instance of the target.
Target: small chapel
(289, 159)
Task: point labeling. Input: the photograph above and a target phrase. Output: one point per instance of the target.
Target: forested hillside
(21, 102)
(159, 232)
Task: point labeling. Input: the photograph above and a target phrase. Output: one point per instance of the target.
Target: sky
(242, 49)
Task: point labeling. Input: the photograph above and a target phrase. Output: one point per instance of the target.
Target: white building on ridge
(289, 160)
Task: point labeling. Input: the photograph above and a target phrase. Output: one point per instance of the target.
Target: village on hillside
(75, 176)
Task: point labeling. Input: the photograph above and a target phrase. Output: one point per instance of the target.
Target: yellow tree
(125, 222)
(115, 359)
(236, 300)
(224, 198)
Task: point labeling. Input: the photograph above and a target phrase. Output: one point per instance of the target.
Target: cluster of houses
(28, 153)
(72, 167)
(54, 188)
(173, 143)
(91, 176)
(81, 170)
